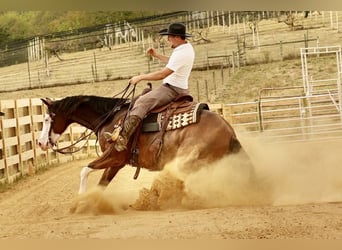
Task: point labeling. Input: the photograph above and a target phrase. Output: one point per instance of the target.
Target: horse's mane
(69, 104)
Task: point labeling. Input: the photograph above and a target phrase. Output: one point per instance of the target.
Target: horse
(209, 138)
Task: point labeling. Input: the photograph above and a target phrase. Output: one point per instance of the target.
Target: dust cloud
(280, 174)
(229, 181)
(97, 201)
(284, 174)
(297, 173)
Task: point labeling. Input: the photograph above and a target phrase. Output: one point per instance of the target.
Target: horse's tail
(245, 161)
(235, 145)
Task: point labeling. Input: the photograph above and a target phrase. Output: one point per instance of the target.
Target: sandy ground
(299, 196)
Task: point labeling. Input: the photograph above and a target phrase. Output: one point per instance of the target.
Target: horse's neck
(87, 118)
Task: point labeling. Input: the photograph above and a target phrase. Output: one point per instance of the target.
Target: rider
(175, 76)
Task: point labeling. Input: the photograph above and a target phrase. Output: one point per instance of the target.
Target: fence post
(33, 134)
(17, 134)
(95, 68)
(2, 149)
(228, 114)
(28, 70)
(229, 22)
(222, 75)
(206, 88)
(306, 38)
(214, 82)
(281, 50)
(46, 63)
(198, 92)
(260, 116)
(233, 61)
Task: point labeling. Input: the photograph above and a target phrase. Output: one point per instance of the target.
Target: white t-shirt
(180, 62)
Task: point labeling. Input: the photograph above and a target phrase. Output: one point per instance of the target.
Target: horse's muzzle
(43, 146)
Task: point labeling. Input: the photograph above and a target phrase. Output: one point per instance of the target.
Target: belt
(170, 86)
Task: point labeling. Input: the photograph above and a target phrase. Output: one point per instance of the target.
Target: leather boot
(129, 126)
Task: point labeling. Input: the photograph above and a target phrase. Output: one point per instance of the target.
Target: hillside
(234, 90)
(219, 74)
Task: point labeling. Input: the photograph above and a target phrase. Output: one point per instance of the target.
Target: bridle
(86, 136)
(70, 148)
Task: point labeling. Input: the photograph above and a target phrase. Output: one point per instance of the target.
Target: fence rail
(226, 40)
(279, 120)
(288, 120)
(19, 130)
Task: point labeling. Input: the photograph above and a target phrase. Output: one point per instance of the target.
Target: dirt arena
(298, 196)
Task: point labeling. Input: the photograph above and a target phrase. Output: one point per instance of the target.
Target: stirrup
(112, 136)
(120, 144)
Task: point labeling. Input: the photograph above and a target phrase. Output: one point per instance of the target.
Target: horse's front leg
(83, 178)
(111, 165)
(107, 177)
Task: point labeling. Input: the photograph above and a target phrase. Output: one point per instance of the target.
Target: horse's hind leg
(108, 175)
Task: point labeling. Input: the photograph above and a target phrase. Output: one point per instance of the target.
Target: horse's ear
(47, 101)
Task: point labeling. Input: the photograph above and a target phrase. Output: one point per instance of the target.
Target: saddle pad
(153, 122)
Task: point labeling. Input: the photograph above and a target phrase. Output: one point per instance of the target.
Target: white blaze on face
(43, 140)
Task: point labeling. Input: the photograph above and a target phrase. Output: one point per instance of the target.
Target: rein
(103, 119)
(83, 137)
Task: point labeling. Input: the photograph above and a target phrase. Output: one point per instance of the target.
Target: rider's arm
(153, 52)
(156, 75)
(162, 58)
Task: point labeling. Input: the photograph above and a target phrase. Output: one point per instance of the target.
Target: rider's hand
(134, 80)
(151, 52)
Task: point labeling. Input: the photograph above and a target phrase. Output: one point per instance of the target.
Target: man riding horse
(175, 76)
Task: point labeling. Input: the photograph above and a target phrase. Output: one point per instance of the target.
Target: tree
(4, 35)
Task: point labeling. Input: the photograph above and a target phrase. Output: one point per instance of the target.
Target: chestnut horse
(209, 139)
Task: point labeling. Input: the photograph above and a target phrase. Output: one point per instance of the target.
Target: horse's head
(54, 124)
(88, 111)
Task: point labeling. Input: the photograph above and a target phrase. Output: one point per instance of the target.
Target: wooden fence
(278, 120)
(19, 131)
(229, 43)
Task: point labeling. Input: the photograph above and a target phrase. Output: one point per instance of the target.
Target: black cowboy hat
(175, 29)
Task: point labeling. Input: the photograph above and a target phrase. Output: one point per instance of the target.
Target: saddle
(182, 112)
